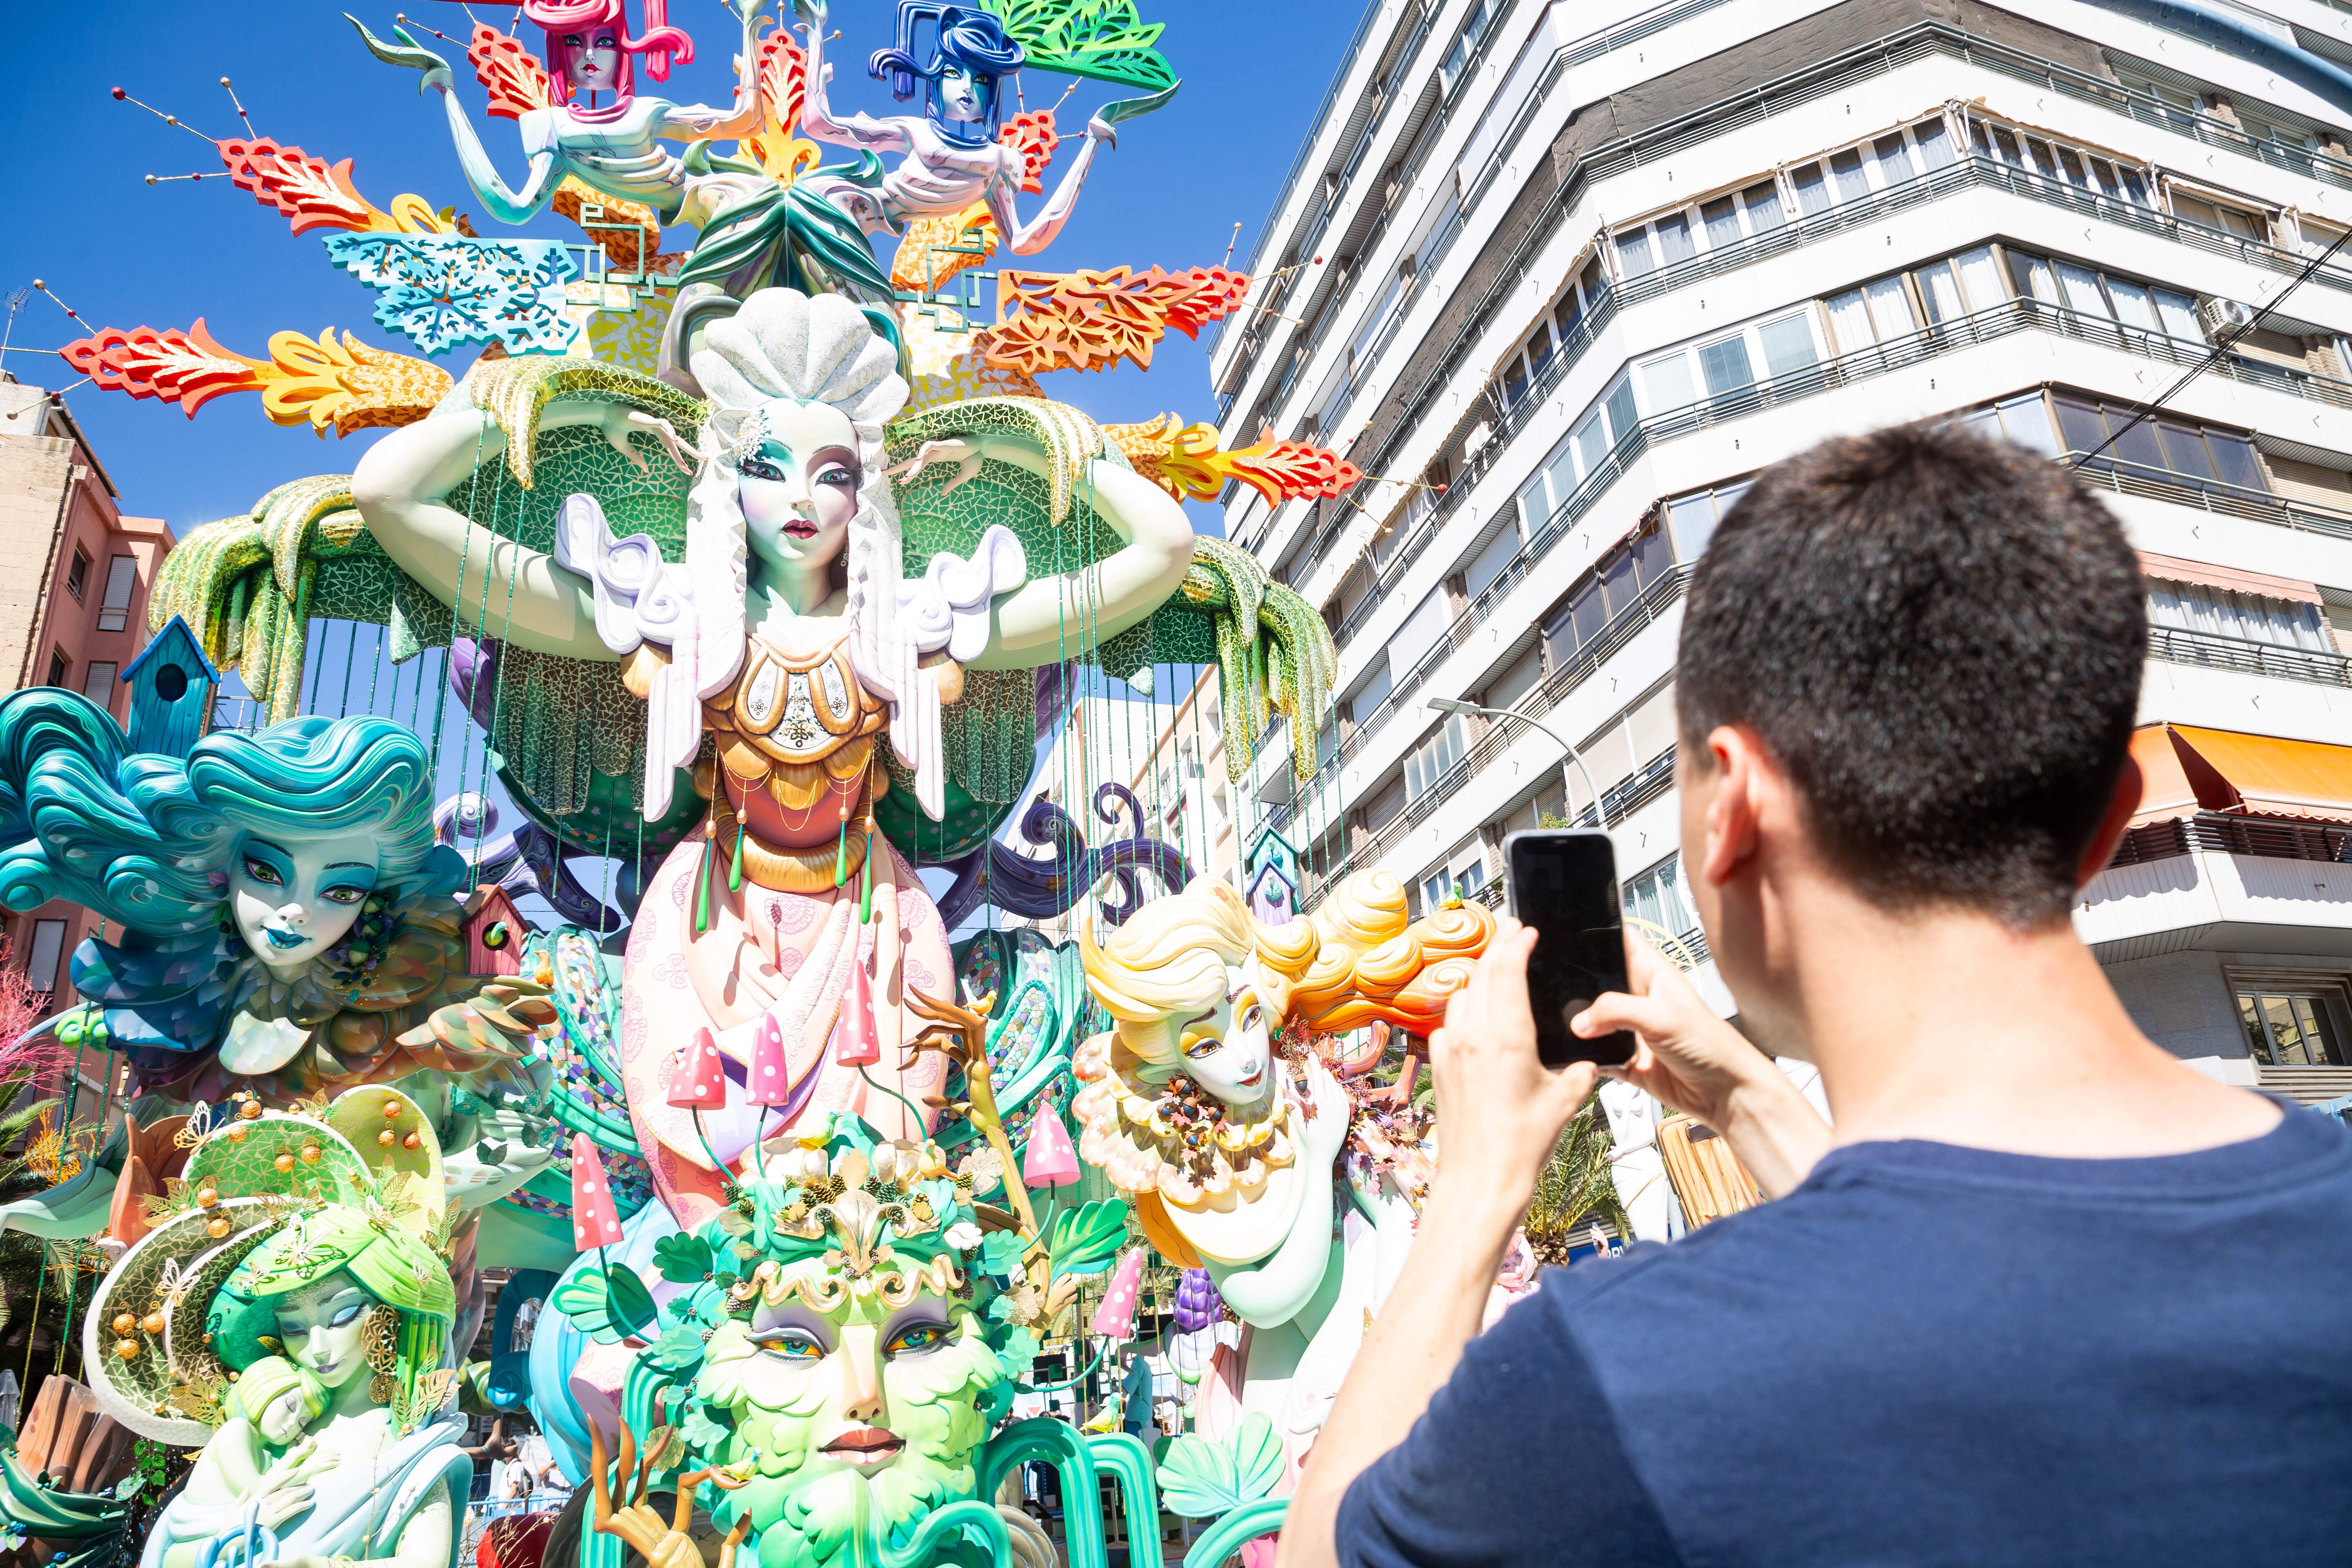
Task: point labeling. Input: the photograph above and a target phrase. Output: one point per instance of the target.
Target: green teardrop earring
(735, 871)
(866, 896)
(702, 887)
(841, 855)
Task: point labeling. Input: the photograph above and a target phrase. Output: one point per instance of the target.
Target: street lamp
(1452, 705)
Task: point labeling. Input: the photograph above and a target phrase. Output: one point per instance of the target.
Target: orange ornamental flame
(1278, 471)
(346, 388)
(511, 74)
(782, 153)
(1091, 320)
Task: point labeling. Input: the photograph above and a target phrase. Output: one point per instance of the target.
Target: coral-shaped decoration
(444, 291)
(1033, 133)
(318, 194)
(1091, 320)
(1278, 471)
(350, 387)
(511, 74)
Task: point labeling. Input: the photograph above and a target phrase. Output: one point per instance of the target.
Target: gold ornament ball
(152, 1323)
(218, 1227)
(127, 1349)
(385, 1137)
(411, 1141)
(124, 1324)
(284, 1162)
(236, 1134)
(208, 1197)
(249, 1110)
(391, 1109)
(309, 1154)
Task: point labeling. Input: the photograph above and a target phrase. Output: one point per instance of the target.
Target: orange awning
(2184, 770)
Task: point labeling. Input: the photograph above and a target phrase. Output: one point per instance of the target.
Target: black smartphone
(1565, 885)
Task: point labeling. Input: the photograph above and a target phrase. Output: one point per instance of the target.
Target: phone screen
(1565, 885)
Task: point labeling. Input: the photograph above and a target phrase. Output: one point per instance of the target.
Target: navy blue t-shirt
(1925, 1355)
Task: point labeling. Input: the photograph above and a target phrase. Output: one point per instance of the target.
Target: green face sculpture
(854, 1365)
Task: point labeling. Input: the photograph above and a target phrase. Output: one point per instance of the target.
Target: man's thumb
(1612, 1010)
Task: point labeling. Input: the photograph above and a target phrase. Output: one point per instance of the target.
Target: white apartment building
(1576, 271)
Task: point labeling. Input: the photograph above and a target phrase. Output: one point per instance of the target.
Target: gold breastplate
(794, 721)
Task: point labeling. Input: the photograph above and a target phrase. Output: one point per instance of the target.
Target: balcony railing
(2227, 833)
(2110, 473)
(2243, 656)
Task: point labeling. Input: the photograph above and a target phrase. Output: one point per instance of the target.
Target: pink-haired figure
(600, 128)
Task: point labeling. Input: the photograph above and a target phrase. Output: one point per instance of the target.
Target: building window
(2222, 215)
(2023, 421)
(2296, 1021)
(1427, 762)
(2104, 294)
(2060, 163)
(77, 574)
(48, 947)
(1604, 593)
(1875, 165)
(2198, 453)
(98, 682)
(1474, 31)
(121, 580)
(1695, 516)
(59, 665)
(1725, 366)
(2249, 618)
(1655, 898)
(1553, 336)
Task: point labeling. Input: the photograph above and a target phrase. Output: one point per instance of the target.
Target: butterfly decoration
(200, 1122)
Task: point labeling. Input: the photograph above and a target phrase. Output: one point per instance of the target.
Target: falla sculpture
(762, 568)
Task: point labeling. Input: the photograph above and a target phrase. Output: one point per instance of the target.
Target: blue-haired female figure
(283, 922)
(952, 156)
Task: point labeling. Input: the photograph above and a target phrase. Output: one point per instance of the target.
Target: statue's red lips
(865, 1445)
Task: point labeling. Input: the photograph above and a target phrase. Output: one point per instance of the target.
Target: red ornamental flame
(183, 367)
(309, 190)
(596, 1221)
(513, 76)
(1033, 135)
(1293, 470)
(783, 79)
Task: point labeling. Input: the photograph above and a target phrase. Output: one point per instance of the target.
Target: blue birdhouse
(172, 684)
(1271, 870)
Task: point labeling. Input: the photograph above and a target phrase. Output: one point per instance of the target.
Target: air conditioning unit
(2223, 321)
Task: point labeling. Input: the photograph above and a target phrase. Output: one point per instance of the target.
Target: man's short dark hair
(1940, 637)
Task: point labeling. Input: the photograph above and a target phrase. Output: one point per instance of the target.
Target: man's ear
(2121, 806)
(1732, 816)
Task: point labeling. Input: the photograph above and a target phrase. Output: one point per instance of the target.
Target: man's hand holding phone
(1697, 1064)
(1500, 1110)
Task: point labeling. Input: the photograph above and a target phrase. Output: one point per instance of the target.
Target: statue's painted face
(864, 1399)
(294, 895)
(321, 1326)
(964, 97)
(1226, 1050)
(285, 1416)
(799, 490)
(595, 60)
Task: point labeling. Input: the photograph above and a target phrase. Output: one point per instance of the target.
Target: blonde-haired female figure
(793, 639)
(1228, 1143)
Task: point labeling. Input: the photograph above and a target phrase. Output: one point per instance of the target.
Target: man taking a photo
(2045, 1295)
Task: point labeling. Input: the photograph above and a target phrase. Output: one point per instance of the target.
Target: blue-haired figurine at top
(953, 158)
(278, 917)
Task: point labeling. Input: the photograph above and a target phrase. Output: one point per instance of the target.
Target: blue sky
(127, 254)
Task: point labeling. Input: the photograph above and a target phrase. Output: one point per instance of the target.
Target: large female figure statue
(795, 666)
(291, 1259)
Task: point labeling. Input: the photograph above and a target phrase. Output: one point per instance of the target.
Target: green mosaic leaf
(1105, 40)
